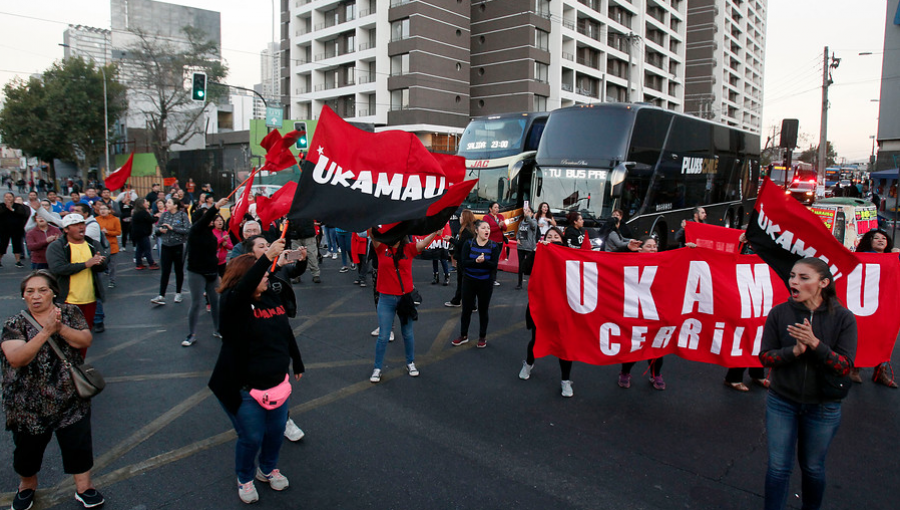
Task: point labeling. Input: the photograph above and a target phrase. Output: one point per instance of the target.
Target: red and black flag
(355, 180)
(782, 231)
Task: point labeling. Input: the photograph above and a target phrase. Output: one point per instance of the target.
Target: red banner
(713, 237)
(702, 305)
(118, 178)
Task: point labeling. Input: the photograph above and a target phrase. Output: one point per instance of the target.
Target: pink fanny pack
(273, 397)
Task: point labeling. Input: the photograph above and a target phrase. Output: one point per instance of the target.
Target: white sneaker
(247, 492)
(276, 480)
(376, 331)
(158, 300)
(413, 371)
(189, 341)
(178, 297)
(292, 431)
(567, 389)
(496, 283)
(391, 339)
(334, 256)
(525, 373)
(376, 376)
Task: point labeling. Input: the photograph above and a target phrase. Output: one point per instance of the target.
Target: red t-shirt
(387, 272)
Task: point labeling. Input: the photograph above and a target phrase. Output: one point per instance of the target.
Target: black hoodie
(796, 378)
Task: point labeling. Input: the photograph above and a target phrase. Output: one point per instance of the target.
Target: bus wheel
(729, 219)
(660, 232)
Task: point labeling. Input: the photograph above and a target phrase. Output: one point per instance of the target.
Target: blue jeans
(142, 251)
(259, 431)
(99, 316)
(807, 428)
(40, 265)
(343, 240)
(387, 309)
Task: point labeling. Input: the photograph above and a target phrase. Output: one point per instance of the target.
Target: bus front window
(493, 186)
(583, 195)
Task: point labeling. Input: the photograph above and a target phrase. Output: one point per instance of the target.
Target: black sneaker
(20, 264)
(90, 498)
(99, 327)
(23, 500)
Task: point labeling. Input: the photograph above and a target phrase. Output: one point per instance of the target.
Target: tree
(60, 114)
(811, 155)
(160, 69)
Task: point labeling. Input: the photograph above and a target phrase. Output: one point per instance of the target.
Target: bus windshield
(493, 138)
(493, 186)
(585, 195)
(586, 140)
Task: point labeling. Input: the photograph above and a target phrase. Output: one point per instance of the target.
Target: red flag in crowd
(270, 209)
(702, 305)
(278, 150)
(117, 179)
(713, 237)
(241, 205)
(354, 180)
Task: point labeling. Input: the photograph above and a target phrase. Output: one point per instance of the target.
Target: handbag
(832, 386)
(88, 380)
(275, 396)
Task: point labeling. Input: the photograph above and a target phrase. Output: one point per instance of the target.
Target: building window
(542, 7)
(541, 39)
(541, 72)
(400, 99)
(400, 64)
(540, 103)
(400, 29)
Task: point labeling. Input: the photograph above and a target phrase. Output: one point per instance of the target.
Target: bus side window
(647, 139)
(689, 144)
(534, 136)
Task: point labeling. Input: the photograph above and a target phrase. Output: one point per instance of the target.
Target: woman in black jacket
(251, 376)
(466, 232)
(203, 270)
(141, 227)
(807, 340)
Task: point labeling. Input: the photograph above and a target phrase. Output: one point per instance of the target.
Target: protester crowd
(242, 272)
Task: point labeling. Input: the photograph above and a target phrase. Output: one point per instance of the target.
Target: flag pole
(283, 232)
(241, 184)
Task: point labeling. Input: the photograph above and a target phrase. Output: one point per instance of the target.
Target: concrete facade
(889, 102)
(726, 44)
(89, 43)
(427, 66)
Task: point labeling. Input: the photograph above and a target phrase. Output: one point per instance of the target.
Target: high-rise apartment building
(428, 66)
(89, 43)
(270, 79)
(540, 55)
(726, 45)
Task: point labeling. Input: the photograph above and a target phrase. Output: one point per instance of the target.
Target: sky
(797, 33)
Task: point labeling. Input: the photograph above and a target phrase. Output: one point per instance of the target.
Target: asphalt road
(466, 434)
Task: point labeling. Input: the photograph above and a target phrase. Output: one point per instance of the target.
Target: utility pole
(628, 71)
(827, 66)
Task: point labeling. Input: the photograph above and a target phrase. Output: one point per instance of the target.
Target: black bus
(654, 164)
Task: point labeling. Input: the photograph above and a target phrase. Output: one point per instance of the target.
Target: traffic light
(302, 141)
(198, 91)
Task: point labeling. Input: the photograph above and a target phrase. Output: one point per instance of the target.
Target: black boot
(446, 279)
(437, 279)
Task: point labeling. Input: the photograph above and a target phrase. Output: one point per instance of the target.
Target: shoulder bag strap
(50, 340)
(399, 278)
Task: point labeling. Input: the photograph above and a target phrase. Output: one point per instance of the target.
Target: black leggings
(16, 238)
(167, 256)
(655, 365)
(126, 231)
(472, 288)
(526, 258)
(565, 366)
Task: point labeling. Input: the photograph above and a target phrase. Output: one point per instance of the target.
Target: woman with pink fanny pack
(251, 378)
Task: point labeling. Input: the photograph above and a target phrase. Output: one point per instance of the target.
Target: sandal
(737, 386)
(881, 376)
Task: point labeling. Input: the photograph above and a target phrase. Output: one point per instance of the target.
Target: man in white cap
(76, 262)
